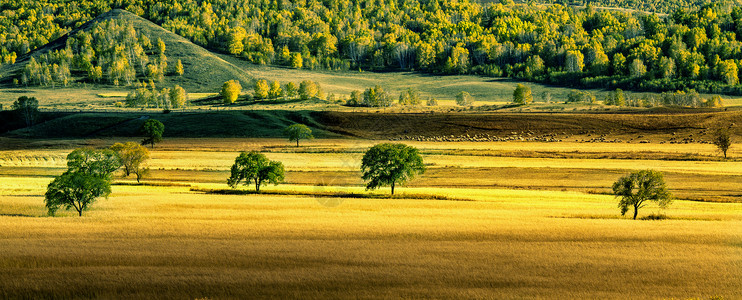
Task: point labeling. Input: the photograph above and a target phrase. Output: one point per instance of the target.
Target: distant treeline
(698, 49)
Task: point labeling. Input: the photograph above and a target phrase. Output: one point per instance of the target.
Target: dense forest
(655, 6)
(696, 49)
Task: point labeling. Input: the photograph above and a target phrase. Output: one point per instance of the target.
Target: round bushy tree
(638, 187)
(522, 95)
(464, 99)
(298, 132)
(230, 91)
(390, 164)
(153, 131)
(88, 177)
(132, 157)
(255, 167)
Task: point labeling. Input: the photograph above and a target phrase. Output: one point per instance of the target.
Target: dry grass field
(531, 227)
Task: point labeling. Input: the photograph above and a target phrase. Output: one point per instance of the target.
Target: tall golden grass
(165, 242)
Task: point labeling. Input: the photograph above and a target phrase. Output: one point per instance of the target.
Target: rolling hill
(204, 71)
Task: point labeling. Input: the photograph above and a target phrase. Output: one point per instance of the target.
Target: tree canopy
(638, 187)
(88, 176)
(178, 97)
(261, 89)
(722, 139)
(390, 164)
(464, 99)
(522, 95)
(153, 130)
(230, 91)
(254, 167)
(308, 90)
(298, 132)
(132, 157)
(27, 108)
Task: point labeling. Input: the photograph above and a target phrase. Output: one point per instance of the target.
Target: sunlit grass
(557, 242)
(507, 244)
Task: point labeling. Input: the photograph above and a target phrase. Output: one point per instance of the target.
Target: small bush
(654, 216)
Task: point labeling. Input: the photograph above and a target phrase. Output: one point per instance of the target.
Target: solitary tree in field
(88, 176)
(230, 91)
(722, 139)
(390, 164)
(297, 132)
(638, 187)
(464, 99)
(28, 108)
(132, 157)
(152, 130)
(255, 167)
(522, 95)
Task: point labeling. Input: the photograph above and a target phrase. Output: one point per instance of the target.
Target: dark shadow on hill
(206, 123)
(334, 124)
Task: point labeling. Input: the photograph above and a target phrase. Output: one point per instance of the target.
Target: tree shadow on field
(327, 194)
(18, 215)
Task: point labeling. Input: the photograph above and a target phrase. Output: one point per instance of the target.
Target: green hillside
(202, 70)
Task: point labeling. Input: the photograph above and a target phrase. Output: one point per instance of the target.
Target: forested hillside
(697, 49)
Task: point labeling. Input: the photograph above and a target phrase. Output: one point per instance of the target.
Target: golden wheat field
(514, 227)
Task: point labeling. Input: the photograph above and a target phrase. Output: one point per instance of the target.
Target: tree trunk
(77, 208)
(392, 188)
(636, 211)
(257, 186)
(297, 142)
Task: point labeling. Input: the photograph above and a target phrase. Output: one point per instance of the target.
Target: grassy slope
(484, 89)
(204, 71)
